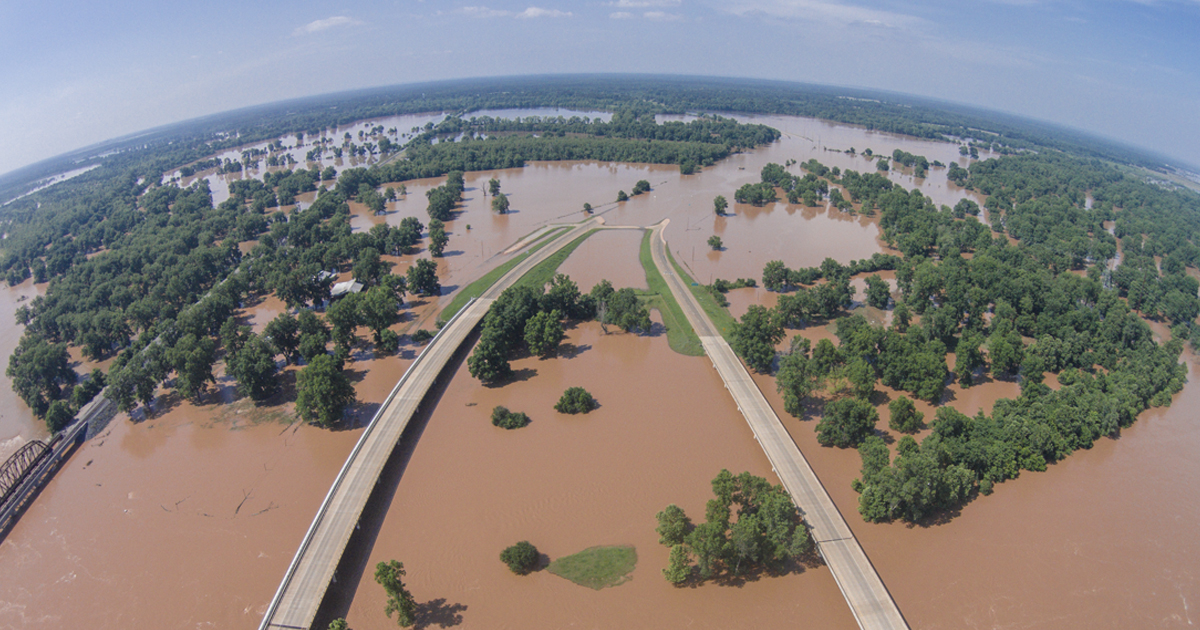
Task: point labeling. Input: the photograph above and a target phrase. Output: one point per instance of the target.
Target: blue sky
(77, 73)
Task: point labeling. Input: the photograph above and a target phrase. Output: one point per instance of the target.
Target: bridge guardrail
(337, 482)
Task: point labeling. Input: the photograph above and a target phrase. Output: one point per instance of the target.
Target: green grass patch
(680, 335)
(555, 232)
(545, 270)
(597, 567)
(718, 314)
(476, 289)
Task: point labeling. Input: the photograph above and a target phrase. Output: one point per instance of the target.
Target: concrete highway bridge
(868, 598)
(304, 585)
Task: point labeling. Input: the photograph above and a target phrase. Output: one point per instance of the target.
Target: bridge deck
(299, 595)
(869, 600)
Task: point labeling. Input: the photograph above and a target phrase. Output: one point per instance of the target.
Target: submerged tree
(767, 532)
(254, 368)
(500, 203)
(323, 392)
(399, 600)
(846, 422)
(437, 238)
(543, 332)
(521, 558)
(905, 417)
(422, 278)
(755, 336)
(576, 400)
(720, 204)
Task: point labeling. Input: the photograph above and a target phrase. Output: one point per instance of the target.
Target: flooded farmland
(189, 518)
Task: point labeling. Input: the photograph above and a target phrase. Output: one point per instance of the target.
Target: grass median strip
(680, 335)
(545, 270)
(476, 289)
(718, 314)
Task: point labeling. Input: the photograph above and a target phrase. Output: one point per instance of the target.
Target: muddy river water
(187, 519)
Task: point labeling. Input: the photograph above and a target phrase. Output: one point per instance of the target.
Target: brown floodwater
(664, 429)
(607, 255)
(17, 423)
(1106, 538)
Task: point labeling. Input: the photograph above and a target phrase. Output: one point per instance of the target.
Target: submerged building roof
(342, 288)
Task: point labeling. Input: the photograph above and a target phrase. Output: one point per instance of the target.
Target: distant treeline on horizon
(181, 143)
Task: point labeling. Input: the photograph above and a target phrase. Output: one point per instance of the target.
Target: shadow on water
(516, 376)
(755, 572)
(570, 351)
(352, 568)
(436, 612)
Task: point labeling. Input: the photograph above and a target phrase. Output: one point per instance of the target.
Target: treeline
(777, 277)
(180, 144)
(919, 163)
(814, 187)
(500, 152)
(168, 247)
(531, 317)
(1042, 200)
(635, 122)
(982, 308)
(163, 299)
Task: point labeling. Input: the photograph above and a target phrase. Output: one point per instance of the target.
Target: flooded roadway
(188, 519)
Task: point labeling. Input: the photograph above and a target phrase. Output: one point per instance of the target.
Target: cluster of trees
(982, 309)
(501, 152)
(505, 419)
(575, 400)
(522, 314)
(535, 317)
(443, 199)
(635, 123)
(919, 163)
(814, 186)
(720, 287)
(619, 307)
(777, 276)
(766, 534)
(758, 194)
(399, 600)
(638, 188)
(912, 486)
(810, 189)
(167, 290)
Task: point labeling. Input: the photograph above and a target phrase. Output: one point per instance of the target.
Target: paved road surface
(299, 595)
(869, 600)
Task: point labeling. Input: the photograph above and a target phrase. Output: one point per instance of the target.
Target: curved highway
(869, 600)
(307, 578)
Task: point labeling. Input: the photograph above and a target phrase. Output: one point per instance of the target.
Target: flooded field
(189, 518)
(607, 255)
(664, 429)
